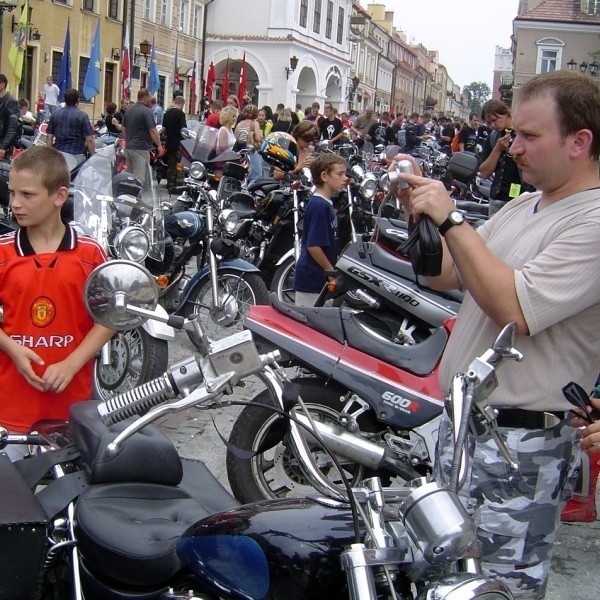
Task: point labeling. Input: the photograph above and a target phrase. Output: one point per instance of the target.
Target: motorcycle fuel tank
(274, 549)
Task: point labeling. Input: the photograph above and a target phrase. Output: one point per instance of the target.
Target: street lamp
(5, 5)
(572, 64)
(145, 50)
(583, 66)
(293, 64)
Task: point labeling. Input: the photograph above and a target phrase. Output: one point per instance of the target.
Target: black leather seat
(130, 530)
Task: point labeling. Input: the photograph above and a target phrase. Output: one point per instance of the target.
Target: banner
(176, 80)
(91, 83)
(153, 79)
(225, 88)
(211, 77)
(16, 54)
(64, 70)
(243, 84)
(125, 67)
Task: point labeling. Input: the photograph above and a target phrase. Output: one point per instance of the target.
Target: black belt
(528, 419)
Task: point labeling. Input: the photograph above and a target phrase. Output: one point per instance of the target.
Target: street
(575, 574)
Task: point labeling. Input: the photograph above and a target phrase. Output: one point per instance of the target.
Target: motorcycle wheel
(135, 358)
(283, 281)
(276, 473)
(243, 290)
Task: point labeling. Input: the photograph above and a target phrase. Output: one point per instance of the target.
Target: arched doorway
(234, 67)
(333, 87)
(307, 87)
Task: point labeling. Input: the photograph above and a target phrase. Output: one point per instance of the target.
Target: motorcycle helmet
(280, 150)
(124, 183)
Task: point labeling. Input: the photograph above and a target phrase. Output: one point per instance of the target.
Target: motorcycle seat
(474, 208)
(265, 184)
(345, 327)
(130, 530)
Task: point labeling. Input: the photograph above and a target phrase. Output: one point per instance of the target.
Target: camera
(391, 180)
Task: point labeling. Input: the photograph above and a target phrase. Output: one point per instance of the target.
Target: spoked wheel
(276, 473)
(283, 281)
(237, 292)
(135, 358)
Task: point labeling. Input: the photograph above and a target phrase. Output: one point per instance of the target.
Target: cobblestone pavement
(575, 571)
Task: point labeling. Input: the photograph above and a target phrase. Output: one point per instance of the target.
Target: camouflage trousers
(516, 513)
(173, 176)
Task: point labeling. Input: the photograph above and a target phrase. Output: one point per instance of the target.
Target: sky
(465, 32)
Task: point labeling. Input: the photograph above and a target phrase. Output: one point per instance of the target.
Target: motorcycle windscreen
(91, 184)
(150, 200)
(205, 143)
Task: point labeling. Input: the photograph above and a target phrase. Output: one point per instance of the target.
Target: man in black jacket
(9, 119)
(173, 123)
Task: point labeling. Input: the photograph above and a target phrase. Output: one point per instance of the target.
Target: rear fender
(285, 257)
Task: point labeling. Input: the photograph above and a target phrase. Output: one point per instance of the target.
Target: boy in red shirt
(47, 340)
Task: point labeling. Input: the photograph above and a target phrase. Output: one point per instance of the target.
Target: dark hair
(23, 102)
(577, 100)
(142, 94)
(306, 130)
(111, 107)
(3, 79)
(494, 108)
(324, 163)
(268, 112)
(47, 163)
(71, 97)
(473, 115)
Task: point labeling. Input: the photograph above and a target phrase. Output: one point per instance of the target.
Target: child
(47, 340)
(319, 244)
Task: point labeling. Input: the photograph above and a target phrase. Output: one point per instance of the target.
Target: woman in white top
(226, 137)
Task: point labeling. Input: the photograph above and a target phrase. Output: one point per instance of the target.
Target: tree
(477, 93)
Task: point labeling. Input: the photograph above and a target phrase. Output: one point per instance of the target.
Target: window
(196, 24)
(317, 18)
(148, 10)
(113, 9)
(56, 58)
(303, 12)
(329, 20)
(184, 14)
(549, 56)
(88, 5)
(340, 26)
(84, 63)
(590, 7)
(164, 13)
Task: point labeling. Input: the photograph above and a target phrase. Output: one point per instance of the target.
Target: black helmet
(280, 150)
(124, 183)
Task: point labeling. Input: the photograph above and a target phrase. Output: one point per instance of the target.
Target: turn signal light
(162, 281)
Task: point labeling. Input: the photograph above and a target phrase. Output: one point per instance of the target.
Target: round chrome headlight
(357, 171)
(131, 243)
(228, 219)
(197, 170)
(368, 186)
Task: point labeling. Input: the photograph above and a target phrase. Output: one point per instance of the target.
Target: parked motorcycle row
(331, 471)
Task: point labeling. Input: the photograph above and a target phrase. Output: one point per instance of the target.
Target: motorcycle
(224, 285)
(144, 523)
(125, 217)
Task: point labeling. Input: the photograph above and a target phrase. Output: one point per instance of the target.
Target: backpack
(401, 138)
(454, 143)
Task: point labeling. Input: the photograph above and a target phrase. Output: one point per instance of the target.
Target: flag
(64, 70)
(153, 79)
(211, 77)
(176, 81)
(91, 83)
(125, 67)
(16, 54)
(243, 85)
(193, 86)
(225, 88)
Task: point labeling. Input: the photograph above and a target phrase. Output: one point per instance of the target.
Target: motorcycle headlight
(228, 219)
(197, 170)
(357, 171)
(464, 586)
(131, 243)
(368, 186)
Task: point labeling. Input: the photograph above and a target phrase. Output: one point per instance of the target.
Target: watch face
(456, 217)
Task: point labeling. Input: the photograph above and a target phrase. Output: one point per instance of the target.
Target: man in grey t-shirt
(534, 263)
(140, 133)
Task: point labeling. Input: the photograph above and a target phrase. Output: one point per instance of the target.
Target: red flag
(242, 86)
(193, 97)
(225, 88)
(125, 67)
(210, 80)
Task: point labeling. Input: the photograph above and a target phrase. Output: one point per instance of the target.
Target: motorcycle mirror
(504, 343)
(115, 289)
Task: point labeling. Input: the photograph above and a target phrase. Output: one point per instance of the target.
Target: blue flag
(153, 79)
(91, 83)
(64, 70)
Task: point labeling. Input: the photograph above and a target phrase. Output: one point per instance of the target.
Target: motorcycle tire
(283, 281)
(276, 473)
(135, 358)
(247, 289)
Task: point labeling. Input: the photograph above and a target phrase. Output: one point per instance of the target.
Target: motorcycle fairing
(385, 274)
(295, 545)
(399, 398)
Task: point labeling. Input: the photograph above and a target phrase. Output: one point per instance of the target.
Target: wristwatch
(455, 217)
